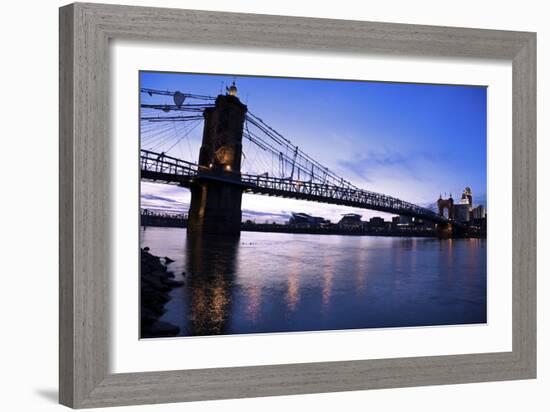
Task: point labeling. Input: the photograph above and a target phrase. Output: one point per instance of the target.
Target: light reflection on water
(277, 282)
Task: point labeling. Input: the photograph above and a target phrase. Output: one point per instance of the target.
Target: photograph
(286, 205)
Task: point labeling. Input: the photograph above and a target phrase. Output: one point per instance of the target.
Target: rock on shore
(156, 284)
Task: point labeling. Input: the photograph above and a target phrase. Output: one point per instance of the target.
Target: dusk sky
(411, 141)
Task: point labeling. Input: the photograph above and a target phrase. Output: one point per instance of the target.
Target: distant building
(478, 212)
(350, 221)
(479, 218)
(400, 224)
(462, 213)
(405, 220)
(424, 224)
(305, 221)
(395, 221)
(467, 197)
(162, 218)
(417, 222)
(376, 223)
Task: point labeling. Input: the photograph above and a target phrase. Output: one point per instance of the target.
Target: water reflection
(253, 303)
(211, 265)
(361, 270)
(327, 276)
(277, 282)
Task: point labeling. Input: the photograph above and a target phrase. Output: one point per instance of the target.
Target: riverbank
(156, 284)
(274, 228)
(270, 228)
(332, 230)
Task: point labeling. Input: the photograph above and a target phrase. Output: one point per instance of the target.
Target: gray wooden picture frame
(85, 32)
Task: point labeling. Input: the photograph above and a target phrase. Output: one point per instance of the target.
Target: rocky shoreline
(156, 284)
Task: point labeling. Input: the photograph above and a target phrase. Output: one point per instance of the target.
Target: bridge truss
(159, 167)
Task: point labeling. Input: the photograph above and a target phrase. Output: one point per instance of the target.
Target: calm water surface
(278, 282)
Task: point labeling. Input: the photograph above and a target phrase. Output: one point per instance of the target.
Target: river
(280, 282)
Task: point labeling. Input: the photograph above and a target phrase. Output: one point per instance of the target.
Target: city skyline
(410, 141)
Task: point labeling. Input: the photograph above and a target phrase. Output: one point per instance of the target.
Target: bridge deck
(166, 169)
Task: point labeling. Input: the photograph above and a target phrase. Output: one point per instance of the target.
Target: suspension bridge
(240, 153)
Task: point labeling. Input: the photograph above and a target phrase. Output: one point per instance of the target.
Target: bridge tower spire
(216, 193)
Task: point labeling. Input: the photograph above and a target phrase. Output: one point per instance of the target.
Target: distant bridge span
(159, 167)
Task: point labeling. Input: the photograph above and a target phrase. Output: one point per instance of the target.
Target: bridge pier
(216, 193)
(444, 230)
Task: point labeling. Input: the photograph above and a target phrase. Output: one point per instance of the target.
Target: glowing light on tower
(232, 90)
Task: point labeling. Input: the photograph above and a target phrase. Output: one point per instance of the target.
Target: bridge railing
(162, 163)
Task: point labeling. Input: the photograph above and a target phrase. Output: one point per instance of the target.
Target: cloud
(375, 163)
(257, 213)
(254, 215)
(149, 196)
(164, 197)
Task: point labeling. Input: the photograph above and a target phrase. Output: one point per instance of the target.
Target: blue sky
(411, 141)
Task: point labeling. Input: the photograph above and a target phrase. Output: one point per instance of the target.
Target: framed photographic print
(261, 205)
(285, 261)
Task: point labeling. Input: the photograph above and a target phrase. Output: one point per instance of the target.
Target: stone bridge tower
(216, 194)
(445, 230)
(448, 204)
